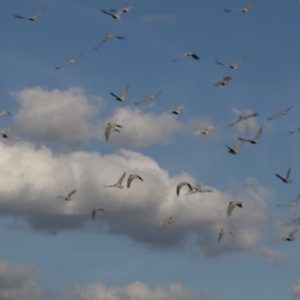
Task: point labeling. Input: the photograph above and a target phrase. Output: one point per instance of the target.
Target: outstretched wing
(122, 178)
(288, 174)
(257, 136)
(71, 193)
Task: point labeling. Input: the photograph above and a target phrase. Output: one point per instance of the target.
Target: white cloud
(296, 287)
(16, 282)
(272, 256)
(169, 18)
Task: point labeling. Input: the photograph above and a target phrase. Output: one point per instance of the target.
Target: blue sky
(52, 249)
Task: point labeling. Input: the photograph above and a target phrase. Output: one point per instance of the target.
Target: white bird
(224, 81)
(111, 127)
(243, 10)
(7, 133)
(287, 177)
(206, 130)
(198, 189)
(243, 117)
(31, 18)
(122, 97)
(295, 131)
(149, 97)
(177, 110)
(95, 210)
(295, 222)
(236, 149)
(71, 61)
(68, 198)
(186, 54)
(109, 37)
(180, 185)
(132, 177)
(119, 183)
(291, 235)
(281, 113)
(4, 113)
(223, 232)
(293, 203)
(117, 15)
(256, 138)
(169, 221)
(232, 205)
(233, 66)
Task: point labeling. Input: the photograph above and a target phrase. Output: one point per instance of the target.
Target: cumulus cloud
(32, 177)
(16, 283)
(296, 287)
(168, 18)
(134, 291)
(272, 256)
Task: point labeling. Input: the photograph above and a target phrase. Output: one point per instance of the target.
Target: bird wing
(193, 55)
(93, 213)
(77, 58)
(108, 13)
(231, 206)
(182, 56)
(107, 37)
(288, 174)
(122, 178)
(238, 145)
(129, 180)
(220, 235)
(257, 136)
(108, 131)
(250, 4)
(280, 177)
(291, 235)
(238, 120)
(161, 223)
(71, 193)
(124, 93)
(229, 148)
(8, 132)
(219, 63)
(37, 14)
(296, 200)
(238, 63)
(20, 17)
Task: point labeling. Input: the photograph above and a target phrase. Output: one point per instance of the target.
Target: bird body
(68, 198)
(95, 209)
(132, 177)
(119, 183)
(122, 97)
(232, 205)
(118, 14)
(169, 221)
(287, 177)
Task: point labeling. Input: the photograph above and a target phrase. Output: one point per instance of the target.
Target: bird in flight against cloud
(71, 61)
(180, 185)
(244, 117)
(169, 221)
(95, 210)
(132, 177)
(243, 10)
(68, 198)
(7, 133)
(291, 235)
(111, 127)
(198, 189)
(233, 66)
(149, 98)
(177, 110)
(232, 205)
(281, 113)
(207, 130)
(256, 138)
(116, 14)
(186, 54)
(223, 232)
(293, 203)
(119, 183)
(109, 37)
(236, 149)
(4, 113)
(224, 81)
(122, 97)
(287, 177)
(31, 18)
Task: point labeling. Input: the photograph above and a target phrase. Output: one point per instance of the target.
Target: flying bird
(149, 97)
(122, 97)
(180, 185)
(294, 203)
(7, 133)
(111, 127)
(243, 117)
(116, 14)
(224, 81)
(186, 54)
(232, 205)
(281, 113)
(223, 232)
(287, 177)
(68, 198)
(132, 177)
(95, 210)
(169, 221)
(256, 138)
(206, 131)
(233, 66)
(243, 10)
(109, 37)
(71, 61)
(295, 131)
(198, 189)
(177, 110)
(126, 8)
(31, 18)
(291, 235)
(4, 113)
(236, 149)
(119, 183)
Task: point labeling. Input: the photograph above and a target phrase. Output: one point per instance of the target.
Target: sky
(53, 249)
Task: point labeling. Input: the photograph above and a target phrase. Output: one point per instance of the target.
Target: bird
(293, 203)
(7, 133)
(223, 232)
(295, 222)
(236, 149)
(295, 131)
(31, 18)
(198, 189)
(122, 97)
(111, 127)
(68, 198)
(291, 235)
(126, 8)
(206, 131)
(256, 138)
(149, 97)
(71, 61)
(117, 15)
(186, 54)
(287, 177)
(232, 205)
(225, 81)
(95, 209)
(177, 110)
(4, 113)
(281, 113)
(169, 221)
(243, 10)
(132, 177)
(119, 183)
(233, 66)
(243, 117)
(180, 185)
(109, 37)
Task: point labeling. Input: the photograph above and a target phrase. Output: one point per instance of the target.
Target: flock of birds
(113, 127)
